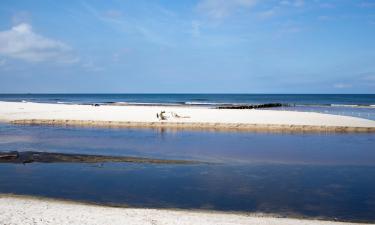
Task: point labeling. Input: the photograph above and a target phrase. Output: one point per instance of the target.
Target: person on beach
(161, 115)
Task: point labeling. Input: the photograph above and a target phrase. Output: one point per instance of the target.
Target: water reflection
(347, 193)
(224, 147)
(317, 175)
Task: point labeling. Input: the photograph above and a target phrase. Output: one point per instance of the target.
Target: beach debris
(259, 106)
(51, 157)
(175, 115)
(165, 115)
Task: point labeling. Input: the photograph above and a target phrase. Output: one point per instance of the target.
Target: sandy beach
(17, 210)
(204, 112)
(187, 117)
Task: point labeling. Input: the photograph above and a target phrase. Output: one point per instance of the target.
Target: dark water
(313, 175)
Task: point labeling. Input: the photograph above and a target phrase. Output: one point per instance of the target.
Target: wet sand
(52, 157)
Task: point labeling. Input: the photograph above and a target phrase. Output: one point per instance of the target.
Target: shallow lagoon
(314, 175)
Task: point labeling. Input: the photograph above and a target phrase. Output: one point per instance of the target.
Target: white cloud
(342, 85)
(369, 77)
(221, 8)
(2, 62)
(124, 24)
(267, 14)
(113, 14)
(21, 42)
(92, 67)
(324, 18)
(367, 4)
(195, 28)
(299, 3)
(21, 17)
(295, 3)
(327, 6)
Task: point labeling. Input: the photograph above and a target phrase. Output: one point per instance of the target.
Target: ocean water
(201, 99)
(323, 175)
(358, 105)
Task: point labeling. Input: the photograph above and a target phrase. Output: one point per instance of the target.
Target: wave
(58, 102)
(336, 105)
(349, 105)
(355, 106)
(192, 103)
(143, 103)
(205, 103)
(222, 103)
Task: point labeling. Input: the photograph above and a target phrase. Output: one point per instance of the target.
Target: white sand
(25, 211)
(10, 111)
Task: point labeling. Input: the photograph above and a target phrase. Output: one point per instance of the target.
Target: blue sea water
(198, 99)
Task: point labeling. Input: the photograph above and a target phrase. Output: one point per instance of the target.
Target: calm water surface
(314, 175)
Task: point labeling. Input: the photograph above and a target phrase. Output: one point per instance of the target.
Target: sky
(187, 46)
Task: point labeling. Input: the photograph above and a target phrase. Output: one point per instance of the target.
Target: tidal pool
(310, 175)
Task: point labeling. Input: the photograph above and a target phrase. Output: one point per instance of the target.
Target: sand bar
(55, 157)
(18, 210)
(189, 117)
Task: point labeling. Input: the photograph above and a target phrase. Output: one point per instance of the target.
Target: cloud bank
(21, 42)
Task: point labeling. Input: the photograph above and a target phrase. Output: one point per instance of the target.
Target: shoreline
(198, 126)
(20, 209)
(180, 118)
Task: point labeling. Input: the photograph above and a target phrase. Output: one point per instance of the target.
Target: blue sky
(201, 46)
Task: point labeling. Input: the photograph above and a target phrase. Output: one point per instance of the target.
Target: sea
(305, 175)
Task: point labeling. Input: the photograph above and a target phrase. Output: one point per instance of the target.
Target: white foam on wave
(202, 103)
(344, 105)
(352, 106)
(144, 103)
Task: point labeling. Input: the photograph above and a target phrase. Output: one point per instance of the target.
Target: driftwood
(48, 157)
(260, 106)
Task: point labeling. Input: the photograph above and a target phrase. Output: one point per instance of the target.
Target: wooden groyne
(258, 106)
